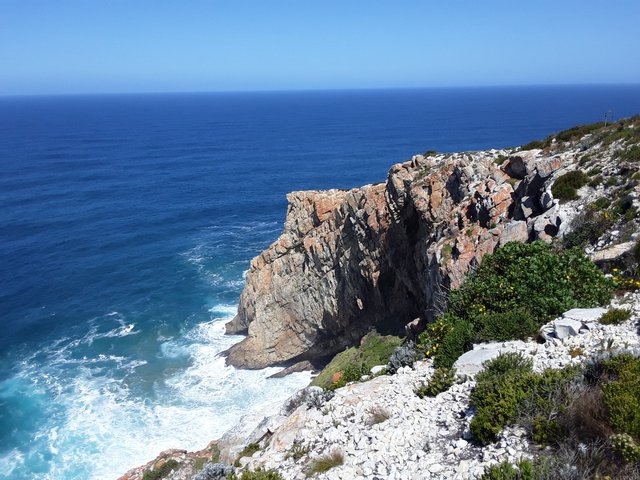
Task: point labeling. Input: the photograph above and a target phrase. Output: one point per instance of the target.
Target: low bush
(532, 145)
(258, 474)
(595, 181)
(508, 390)
(566, 186)
(615, 316)
(523, 470)
(499, 393)
(622, 395)
(586, 228)
(161, 472)
(510, 325)
(326, 462)
(298, 450)
(458, 338)
(601, 204)
(626, 446)
(631, 154)
(213, 471)
(511, 295)
(374, 349)
(531, 278)
(402, 356)
(441, 380)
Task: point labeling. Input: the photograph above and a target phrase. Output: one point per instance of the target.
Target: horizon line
(310, 90)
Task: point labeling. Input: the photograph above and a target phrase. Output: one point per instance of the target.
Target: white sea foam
(101, 427)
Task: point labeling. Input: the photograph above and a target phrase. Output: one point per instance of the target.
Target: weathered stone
(584, 314)
(379, 255)
(566, 327)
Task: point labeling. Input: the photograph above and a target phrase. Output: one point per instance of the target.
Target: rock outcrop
(382, 255)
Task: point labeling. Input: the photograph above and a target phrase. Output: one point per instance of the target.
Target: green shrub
(441, 380)
(595, 181)
(499, 393)
(514, 324)
(249, 450)
(601, 204)
(298, 450)
(163, 471)
(532, 145)
(258, 474)
(455, 342)
(549, 397)
(546, 431)
(326, 462)
(430, 340)
(564, 188)
(374, 349)
(615, 316)
(587, 228)
(531, 278)
(622, 396)
(631, 153)
(626, 447)
(524, 470)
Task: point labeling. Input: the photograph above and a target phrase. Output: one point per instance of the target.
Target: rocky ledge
(383, 255)
(381, 429)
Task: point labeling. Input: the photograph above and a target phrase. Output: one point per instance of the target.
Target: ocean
(127, 223)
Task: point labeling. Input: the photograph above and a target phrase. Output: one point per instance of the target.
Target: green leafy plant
(523, 470)
(510, 325)
(501, 388)
(588, 227)
(622, 396)
(615, 316)
(247, 451)
(529, 278)
(441, 380)
(626, 446)
(565, 187)
(354, 362)
(258, 474)
(162, 471)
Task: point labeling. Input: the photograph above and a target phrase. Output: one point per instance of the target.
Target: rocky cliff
(382, 255)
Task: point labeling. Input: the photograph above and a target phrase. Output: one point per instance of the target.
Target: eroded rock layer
(382, 255)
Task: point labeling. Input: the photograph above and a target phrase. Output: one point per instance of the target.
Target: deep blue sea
(127, 222)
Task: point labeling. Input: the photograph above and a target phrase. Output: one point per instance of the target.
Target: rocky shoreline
(426, 438)
(383, 255)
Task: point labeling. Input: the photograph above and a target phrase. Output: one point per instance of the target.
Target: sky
(126, 46)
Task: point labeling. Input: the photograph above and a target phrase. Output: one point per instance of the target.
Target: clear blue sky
(89, 46)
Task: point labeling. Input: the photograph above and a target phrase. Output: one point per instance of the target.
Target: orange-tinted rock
(377, 255)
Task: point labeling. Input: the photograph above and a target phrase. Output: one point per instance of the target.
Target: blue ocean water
(126, 223)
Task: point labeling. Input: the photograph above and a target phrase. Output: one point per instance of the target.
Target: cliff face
(382, 255)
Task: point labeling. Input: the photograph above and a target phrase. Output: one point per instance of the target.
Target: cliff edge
(383, 255)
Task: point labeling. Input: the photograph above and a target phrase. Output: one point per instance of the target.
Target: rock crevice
(381, 255)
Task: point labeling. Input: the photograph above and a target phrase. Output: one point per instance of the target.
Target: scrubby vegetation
(566, 186)
(511, 295)
(587, 227)
(354, 362)
(325, 463)
(259, 474)
(615, 316)
(162, 471)
(441, 380)
(589, 416)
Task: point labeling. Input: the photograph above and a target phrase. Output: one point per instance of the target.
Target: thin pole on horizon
(607, 115)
